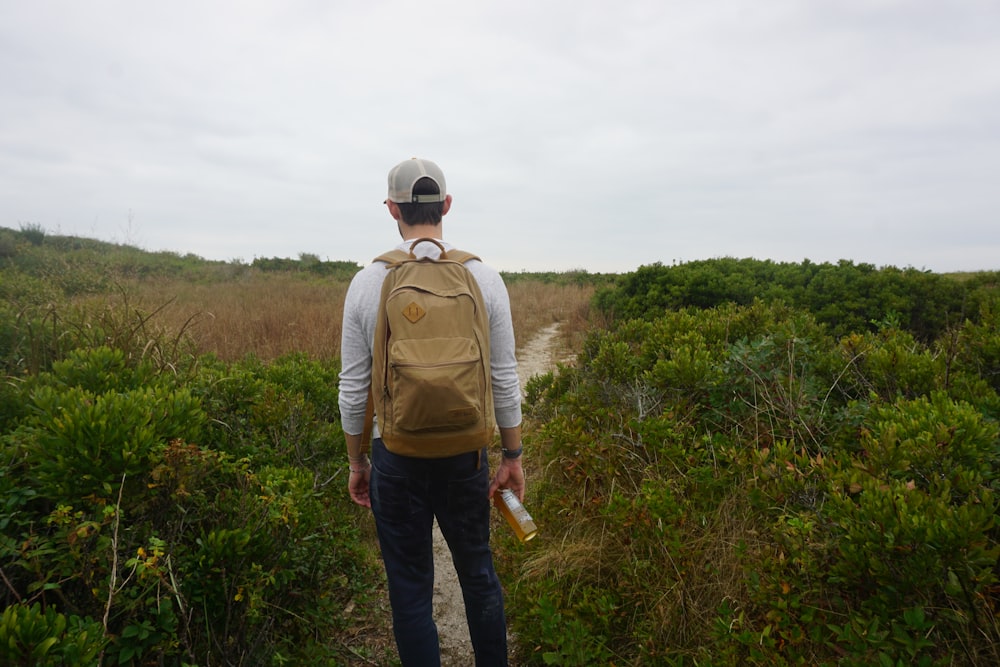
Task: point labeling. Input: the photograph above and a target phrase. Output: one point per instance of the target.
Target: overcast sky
(589, 134)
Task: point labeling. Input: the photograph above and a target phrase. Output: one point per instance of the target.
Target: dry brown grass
(269, 314)
(266, 315)
(535, 305)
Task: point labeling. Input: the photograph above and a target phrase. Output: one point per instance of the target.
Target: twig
(113, 582)
(10, 586)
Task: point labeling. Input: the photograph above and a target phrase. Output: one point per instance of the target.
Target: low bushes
(175, 513)
(846, 297)
(735, 485)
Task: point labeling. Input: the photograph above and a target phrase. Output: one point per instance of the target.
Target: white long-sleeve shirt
(358, 338)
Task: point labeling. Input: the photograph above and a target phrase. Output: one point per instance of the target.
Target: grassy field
(163, 413)
(748, 463)
(272, 314)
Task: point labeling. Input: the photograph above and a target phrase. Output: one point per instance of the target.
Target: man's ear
(447, 204)
(394, 211)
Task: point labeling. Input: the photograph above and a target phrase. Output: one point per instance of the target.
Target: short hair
(426, 213)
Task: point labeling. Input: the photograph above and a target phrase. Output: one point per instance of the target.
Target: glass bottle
(518, 517)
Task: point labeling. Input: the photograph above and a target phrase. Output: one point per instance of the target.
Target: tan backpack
(431, 384)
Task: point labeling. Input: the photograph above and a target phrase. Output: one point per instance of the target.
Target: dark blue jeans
(406, 494)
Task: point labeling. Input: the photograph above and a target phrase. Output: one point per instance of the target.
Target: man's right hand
(510, 475)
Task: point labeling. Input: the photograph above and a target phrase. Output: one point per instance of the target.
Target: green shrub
(33, 232)
(8, 243)
(279, 413)
(111, 508)
(976, 349)
(33, 637)
(87, 444)
(890, 364)
(845, 297)
(916, 517)
(734, 486)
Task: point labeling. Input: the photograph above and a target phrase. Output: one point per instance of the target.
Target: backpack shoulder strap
(460, 256)
(369, 425)
(392, 257)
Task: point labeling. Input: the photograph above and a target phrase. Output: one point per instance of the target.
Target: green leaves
(838, 495)
(37, 637)
(846, 297)
(85, 443)
(914, 516)
(113, 503)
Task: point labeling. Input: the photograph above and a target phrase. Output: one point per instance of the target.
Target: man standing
(406, 493)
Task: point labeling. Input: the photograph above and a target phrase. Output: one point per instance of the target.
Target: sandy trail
(536, 357)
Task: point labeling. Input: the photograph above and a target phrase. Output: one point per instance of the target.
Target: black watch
(512, 453)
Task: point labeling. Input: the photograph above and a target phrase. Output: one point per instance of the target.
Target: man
(407, 493)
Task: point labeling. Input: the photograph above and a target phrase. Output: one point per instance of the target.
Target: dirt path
(536, 357)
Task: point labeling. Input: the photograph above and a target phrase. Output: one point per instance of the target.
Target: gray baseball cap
(406, 173)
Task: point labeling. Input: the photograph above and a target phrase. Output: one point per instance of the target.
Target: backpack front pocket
(436, 384)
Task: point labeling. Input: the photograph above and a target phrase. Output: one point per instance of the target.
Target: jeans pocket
(469, 507)
(390, 495)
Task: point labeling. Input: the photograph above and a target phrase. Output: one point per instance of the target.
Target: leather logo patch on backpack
(413, 312)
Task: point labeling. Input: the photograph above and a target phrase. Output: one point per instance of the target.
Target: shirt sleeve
(503, 358)
(356, 339)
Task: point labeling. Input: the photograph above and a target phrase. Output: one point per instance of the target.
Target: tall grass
(265, 315)
(268, 315)
(535, 305)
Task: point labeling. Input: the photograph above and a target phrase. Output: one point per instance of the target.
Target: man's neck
(413, 232)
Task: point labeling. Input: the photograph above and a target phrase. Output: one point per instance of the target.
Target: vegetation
(748, 462)
(846, 297)
(173, 486)
(734, 484)
(160, 505)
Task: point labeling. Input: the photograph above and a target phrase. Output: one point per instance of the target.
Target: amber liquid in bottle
(518, 517)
